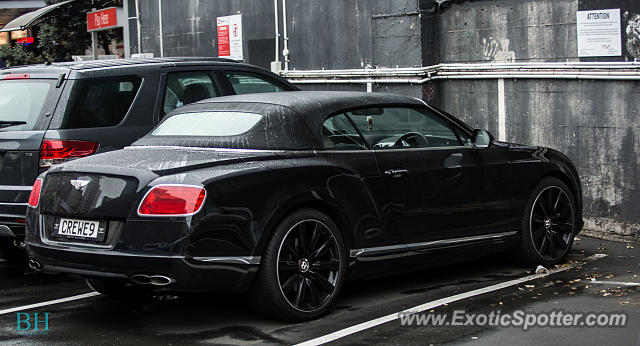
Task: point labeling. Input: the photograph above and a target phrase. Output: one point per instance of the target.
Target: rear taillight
(34, 197)
(53, 152)
(15, 76)
(172, 200)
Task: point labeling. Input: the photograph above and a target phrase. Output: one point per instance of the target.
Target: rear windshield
(232, 125)
(21, 103)
(207, 124)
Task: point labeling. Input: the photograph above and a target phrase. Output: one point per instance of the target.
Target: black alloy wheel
(548, 224)
(552, 222)
(302, 268)
(308, 265)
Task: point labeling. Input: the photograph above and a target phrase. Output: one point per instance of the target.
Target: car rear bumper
(223, 274)
(13, 216)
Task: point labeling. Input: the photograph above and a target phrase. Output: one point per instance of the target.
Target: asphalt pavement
(601, 278)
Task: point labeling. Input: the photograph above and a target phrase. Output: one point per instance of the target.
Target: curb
(609, 236)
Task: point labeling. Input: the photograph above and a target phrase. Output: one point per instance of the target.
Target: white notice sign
(599, 33)
(230, 37)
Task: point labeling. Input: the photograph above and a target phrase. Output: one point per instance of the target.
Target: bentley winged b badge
(79, 184)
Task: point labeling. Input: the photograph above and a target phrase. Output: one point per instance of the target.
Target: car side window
(466, 139)
(101, 102)
(186, 87)
(398, 127)
(250, 83)
(339, 134)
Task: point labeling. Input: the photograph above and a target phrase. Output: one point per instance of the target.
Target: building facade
(513, 67)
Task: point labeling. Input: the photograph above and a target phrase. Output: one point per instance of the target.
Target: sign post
(104, 19)
(230, 37)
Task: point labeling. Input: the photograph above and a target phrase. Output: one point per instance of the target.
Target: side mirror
(481, 138)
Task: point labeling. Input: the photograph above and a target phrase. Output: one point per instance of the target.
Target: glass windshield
(208, 124)
(21, 103)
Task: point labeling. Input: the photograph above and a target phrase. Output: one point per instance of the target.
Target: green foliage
(63, 36)
(17, 55)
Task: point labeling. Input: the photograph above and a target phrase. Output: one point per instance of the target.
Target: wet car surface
(285, 196)
(228, 319)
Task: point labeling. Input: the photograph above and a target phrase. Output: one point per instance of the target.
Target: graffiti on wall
(633, 34)
(497, 50)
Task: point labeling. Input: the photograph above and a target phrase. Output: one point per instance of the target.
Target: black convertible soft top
(292, 120)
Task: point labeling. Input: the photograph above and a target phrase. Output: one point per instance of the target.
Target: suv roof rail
(90, 64)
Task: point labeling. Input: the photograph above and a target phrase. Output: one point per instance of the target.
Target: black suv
(57, 112)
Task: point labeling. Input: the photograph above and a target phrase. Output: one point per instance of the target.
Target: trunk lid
(112, 182)
(78, 194)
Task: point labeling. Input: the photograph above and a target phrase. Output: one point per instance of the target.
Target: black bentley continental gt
(286, 195)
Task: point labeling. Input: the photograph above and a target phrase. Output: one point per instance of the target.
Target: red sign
(25, 41)
(103, 19)
(224, 49)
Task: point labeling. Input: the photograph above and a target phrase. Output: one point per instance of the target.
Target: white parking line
(49, 302)
(617, 283)
(433, 304)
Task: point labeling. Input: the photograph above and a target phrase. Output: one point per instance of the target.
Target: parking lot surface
(599, 277)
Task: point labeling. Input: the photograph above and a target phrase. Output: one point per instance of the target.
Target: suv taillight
(53, 152)
(15, 76)
(172, 200)
(34, 197)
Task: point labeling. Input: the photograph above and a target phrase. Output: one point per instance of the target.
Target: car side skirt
(402, 250)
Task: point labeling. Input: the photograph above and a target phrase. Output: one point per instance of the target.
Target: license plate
(78, 228)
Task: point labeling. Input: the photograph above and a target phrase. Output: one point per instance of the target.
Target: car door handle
(453, 161)
(396, 173)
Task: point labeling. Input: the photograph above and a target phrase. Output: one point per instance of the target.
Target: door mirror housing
(482, 138)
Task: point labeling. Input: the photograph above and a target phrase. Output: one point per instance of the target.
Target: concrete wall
(595, 123)
(522, 30)
(329, 34)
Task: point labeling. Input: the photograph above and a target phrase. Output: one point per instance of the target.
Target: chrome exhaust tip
(161, 280)
(35, 265)
(141, 279)
(155, 280)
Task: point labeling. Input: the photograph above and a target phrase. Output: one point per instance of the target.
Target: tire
(549, 224)
(302, 270)
(117, 288)
(10, 252)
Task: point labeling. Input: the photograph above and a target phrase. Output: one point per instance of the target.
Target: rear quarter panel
(245, 201)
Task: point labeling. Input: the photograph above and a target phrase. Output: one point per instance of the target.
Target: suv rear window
(100, 102)
(21, 103)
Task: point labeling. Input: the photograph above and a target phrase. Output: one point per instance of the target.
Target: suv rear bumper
(12, 215)
(225, 274)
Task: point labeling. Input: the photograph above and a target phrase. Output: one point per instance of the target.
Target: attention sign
(103, 19)
(230, 37)
(599, 33)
